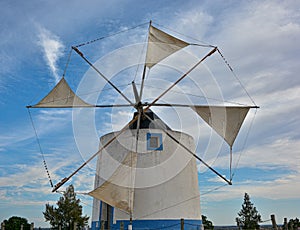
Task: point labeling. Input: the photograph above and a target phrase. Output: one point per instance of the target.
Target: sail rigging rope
(110, 35)
(214, 189)
(68, 61)
(40, 148)
(205, 44)
(243, 147)
(230, 163)
(240, 82)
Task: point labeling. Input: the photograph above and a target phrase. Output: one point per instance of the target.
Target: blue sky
(260, 39)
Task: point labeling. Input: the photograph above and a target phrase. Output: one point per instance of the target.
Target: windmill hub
(139, 106)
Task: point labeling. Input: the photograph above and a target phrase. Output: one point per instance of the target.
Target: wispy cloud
(52, 48)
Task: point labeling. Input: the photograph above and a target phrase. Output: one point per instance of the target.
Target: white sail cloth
(118, 190)
(225, 120)
(61, 96)
(161, 45)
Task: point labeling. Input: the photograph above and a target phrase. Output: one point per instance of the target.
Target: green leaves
(15, 222)
(248, 216)
(207, 224)
(67, 213)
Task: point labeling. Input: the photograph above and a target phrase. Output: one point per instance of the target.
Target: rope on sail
(231, 69)
(110, 35)
(40, 148)
(67, 64)
(230, 163)
(205, 44)
(247, 135)
(214, 189)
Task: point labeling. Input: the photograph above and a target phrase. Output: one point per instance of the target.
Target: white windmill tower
(154, 184)
(146, 172)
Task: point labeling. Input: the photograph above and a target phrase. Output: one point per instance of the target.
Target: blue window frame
(154, 141)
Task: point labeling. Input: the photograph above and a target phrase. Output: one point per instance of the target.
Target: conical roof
(146, 123)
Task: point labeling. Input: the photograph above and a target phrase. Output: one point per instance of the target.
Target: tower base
(174, 224)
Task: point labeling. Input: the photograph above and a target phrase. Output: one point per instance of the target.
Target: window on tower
(154, 141)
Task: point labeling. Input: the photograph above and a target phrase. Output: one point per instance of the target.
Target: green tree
(67, 212)
(293, 224)
(207, 224)
(248, 216)
(15, 222)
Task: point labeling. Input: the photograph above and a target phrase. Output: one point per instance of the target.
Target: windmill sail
(161, 45)
(118, 190)
(225, 120)
(61, 96)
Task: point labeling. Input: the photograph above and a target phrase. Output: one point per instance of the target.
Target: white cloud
(52, 49)
(284, 188)
(282, 154)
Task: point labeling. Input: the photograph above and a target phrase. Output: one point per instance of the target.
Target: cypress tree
(67, 213)
(248, 216)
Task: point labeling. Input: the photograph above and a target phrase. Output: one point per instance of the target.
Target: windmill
(137, 182)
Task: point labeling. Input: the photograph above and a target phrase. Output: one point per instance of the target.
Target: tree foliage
(67, 212)
(293, 224)
(248, 216)
(207, 224)
(15, 222)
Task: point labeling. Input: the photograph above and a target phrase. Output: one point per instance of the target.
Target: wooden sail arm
(189, 151)
(132, 176)
(102, 75)
(64, 180)
(143, 80)
(182, 77)
(144, 70)
(192, 106)
(128, 105)
(226, 121)
(81, 106)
